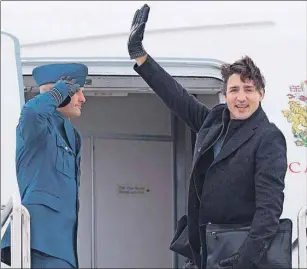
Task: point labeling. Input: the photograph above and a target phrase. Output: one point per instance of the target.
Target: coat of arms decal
(297, 113)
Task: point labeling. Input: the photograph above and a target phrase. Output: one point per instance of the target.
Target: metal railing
(302, 237)
(15, 214)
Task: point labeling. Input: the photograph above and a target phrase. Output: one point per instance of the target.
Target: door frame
(123, 66)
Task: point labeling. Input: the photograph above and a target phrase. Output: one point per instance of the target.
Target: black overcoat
(244, 184)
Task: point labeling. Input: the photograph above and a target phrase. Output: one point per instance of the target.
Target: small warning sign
(132, 189)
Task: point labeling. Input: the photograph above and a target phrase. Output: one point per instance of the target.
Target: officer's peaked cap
(51, 73)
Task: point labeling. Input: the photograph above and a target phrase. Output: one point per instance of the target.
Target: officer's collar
(60, 115)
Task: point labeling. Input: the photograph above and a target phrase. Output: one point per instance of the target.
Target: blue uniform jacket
(48, 175)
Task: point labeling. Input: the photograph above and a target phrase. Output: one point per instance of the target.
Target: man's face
(73, 109)
(242, 98)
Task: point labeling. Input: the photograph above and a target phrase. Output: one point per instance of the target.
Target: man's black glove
(231, 261)
(135, 46)
(236, 261)
(73, 87)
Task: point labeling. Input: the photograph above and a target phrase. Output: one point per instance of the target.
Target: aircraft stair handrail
(15, 214)
(302, 237)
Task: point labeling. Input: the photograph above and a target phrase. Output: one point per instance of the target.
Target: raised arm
(174, 96)
(32, 124)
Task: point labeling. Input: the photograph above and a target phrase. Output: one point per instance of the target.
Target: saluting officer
(48, 152)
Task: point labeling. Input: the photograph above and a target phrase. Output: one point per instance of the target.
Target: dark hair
(247, 70)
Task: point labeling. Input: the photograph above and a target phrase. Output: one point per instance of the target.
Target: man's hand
(230, 261)
(72, 85)
(135, 46)
(235, 261)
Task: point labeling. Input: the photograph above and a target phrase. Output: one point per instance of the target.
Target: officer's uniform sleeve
(32, 124)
